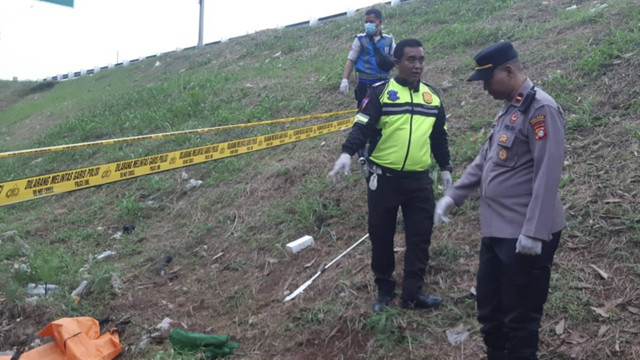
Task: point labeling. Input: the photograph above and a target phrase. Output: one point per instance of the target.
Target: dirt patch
(229, 274)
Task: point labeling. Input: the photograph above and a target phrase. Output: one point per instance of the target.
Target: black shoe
(383, 301)
(422, 301)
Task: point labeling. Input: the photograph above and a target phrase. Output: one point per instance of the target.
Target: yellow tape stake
(15, 191)
(50, 149)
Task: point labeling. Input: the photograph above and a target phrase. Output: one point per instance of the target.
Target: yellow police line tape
(52, 184)
(49, 149)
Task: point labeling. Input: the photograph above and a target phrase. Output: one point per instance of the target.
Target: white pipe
(306, 284)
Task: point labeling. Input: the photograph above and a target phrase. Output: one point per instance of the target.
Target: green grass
(384, 325)
(129, 209)
(311, 211)
(289, 72)
(450, 252)
(567, 301)
(600, 58)
(320, 314)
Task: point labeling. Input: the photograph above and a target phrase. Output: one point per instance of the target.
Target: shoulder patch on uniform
(514, 117)
(537, 118)
(539, 126)
(364, 103)
(431, 88)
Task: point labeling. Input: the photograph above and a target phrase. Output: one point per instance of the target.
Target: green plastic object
(213, 346)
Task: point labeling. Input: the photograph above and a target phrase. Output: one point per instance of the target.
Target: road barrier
(95, 70)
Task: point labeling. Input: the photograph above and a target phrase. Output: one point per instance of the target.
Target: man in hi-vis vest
(362, 56)
(404, 122)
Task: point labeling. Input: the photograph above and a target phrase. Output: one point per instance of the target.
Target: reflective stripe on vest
(366, 65)
(406, 122)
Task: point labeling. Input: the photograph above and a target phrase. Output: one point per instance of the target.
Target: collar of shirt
(518, 99)
(521, 94)
(404, 82)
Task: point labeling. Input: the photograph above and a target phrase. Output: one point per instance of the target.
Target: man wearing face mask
(362, 56)
(518, 172)
(404, 122)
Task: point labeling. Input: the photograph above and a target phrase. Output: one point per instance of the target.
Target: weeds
(388, 328)
(320, 314)
(294, 72)
(311, 211)
(129, 210)
(621, 43)
(448, 251)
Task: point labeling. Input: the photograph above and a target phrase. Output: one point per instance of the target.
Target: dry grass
(230, 273)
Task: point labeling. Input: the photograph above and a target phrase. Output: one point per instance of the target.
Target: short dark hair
(515, 63)
(398, 53)
(375, 12)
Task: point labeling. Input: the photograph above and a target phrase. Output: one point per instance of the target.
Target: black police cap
(490, 58)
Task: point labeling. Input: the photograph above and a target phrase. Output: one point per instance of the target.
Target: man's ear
(510, 70)
(396, 62)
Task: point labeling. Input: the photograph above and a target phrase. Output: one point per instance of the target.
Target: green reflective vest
(406, 122)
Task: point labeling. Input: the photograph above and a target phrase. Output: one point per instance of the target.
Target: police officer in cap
(404, 122)
(518, 172)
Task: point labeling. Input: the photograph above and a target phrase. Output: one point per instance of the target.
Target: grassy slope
(250, 206)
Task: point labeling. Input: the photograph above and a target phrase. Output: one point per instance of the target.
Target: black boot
(496, 355)
(422, 301)
(383, 301)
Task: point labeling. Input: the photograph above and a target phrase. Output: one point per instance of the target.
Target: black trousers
(360, 92)
(415, 196)
(511, 292)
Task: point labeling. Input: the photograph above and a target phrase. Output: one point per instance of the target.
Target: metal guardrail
(95, 70)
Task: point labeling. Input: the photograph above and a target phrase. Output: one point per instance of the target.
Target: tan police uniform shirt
(519, 169)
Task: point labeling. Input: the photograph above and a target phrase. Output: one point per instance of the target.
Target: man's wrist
(447, 168)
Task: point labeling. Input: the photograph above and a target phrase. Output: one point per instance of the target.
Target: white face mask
(370, 28)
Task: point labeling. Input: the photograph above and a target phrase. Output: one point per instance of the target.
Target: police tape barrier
(49, 149)
(52, 184)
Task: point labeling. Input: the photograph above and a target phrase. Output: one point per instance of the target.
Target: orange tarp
(75, 339)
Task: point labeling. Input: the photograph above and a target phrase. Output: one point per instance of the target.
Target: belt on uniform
(373, 76)
(382, 170)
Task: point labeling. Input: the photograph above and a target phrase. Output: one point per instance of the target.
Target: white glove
(344, 86)
(445, 177)
(528, 246)
(442, 209)
(344, 163)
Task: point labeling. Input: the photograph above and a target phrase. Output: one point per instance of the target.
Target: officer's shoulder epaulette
(528, 100)
(431, 87)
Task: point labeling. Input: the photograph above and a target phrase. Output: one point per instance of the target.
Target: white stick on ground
(306, 284)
